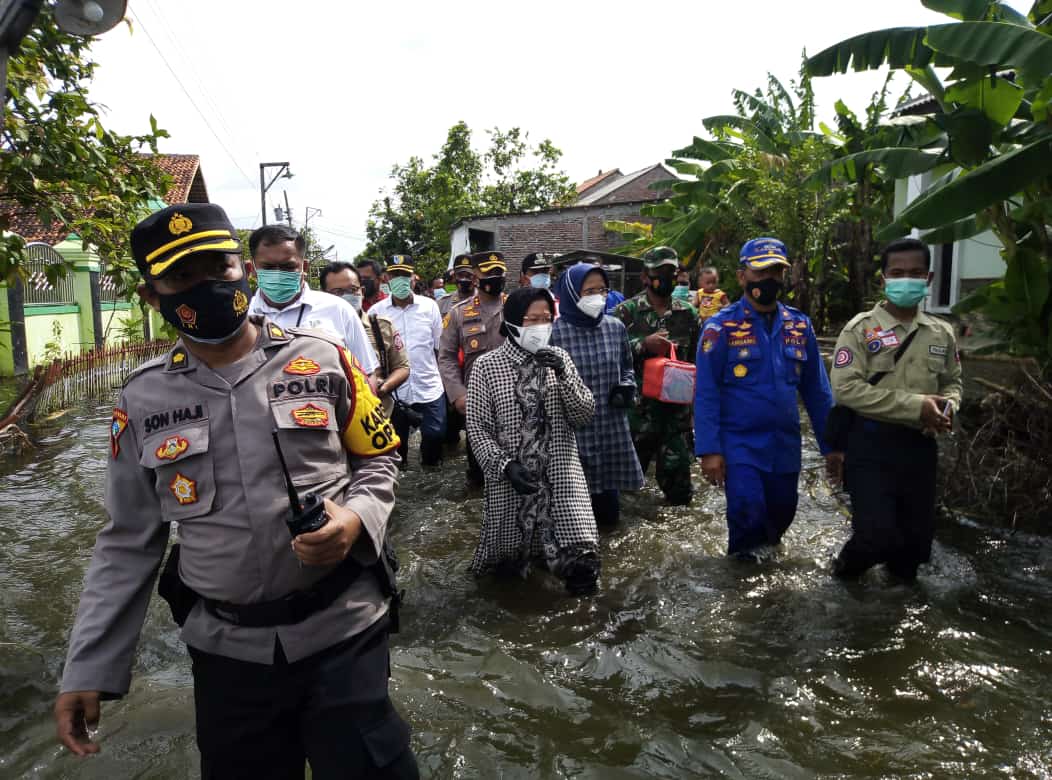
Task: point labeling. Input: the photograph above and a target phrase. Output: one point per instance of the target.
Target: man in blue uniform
(755, 356)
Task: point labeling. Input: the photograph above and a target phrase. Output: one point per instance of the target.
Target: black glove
(622, 396)
(549, 358)
(521, 478)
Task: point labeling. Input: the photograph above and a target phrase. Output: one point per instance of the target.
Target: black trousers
(432, 431)
(261, 722)
(890, 474)
(475, 476)
(454, 425)
(606, 507)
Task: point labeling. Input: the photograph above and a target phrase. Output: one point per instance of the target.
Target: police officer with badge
(471, 329)
(464, 276)
(756, 356)
(897, 369)
(655, 321)
(286, 626)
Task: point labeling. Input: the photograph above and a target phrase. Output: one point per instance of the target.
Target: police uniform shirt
(930, 366)
(322, 311)
(421, 327)
(449, 301)
(473, 326)
(191, 446)
(394, 347)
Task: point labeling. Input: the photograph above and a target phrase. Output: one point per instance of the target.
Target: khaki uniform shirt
(394, 348)
(471, 326)
(449, 301)
(931, 366)
(193, 445)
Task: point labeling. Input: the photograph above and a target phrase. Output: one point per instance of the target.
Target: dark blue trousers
(760, 506)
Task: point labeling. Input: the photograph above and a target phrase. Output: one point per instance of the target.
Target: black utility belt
(288, 610)
(293, 608)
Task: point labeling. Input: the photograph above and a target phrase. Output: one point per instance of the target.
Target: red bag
(668, 380)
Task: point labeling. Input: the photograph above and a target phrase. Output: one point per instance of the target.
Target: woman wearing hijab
(599, 347)
(524, 401)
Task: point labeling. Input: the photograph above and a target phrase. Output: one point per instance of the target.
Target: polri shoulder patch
(117, 427)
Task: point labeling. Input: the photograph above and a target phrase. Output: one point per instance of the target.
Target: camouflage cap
(659, 256)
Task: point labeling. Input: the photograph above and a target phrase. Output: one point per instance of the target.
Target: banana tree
(993, 136)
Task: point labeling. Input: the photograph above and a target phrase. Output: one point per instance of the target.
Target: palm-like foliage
(993, 137)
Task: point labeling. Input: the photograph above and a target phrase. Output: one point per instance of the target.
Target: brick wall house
(608, 196)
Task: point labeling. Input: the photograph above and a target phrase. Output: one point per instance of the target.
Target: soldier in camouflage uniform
(655, 320)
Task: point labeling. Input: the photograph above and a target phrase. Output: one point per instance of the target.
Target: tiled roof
(612, 185)
(587, 184)
(188, 186)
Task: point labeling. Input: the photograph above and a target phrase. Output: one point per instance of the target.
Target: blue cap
(762, 253)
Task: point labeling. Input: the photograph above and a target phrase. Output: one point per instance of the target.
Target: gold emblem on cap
(179, 224)
(740, 371)
(494, 259)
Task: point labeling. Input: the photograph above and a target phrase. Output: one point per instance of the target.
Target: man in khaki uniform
(899, 406)
(289, 641)
(464, 276)
(342, 280)
(471, 329)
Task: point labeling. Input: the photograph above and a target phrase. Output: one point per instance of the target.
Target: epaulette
(315, 334)
(158, 362)
(851, 323)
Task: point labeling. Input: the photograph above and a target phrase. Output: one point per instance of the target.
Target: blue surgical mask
(906, 293)
(279, 286)
(682, 292)
(543, 281)
(401, 287)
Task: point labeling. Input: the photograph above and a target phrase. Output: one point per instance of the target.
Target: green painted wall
(40, 324)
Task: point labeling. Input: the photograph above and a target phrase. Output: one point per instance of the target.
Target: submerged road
(685, 664)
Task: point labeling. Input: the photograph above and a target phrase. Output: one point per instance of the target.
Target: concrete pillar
(14, 356)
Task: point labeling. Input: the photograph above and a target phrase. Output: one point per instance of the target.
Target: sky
(344, 91)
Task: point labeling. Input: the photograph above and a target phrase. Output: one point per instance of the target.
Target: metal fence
(38, 290)
(109, 289)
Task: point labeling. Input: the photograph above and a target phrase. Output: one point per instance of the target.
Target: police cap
(489, 263)
(172, 234)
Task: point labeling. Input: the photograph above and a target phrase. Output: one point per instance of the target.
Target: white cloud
(345, 90)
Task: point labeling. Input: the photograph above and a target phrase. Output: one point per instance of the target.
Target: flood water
(684, 664)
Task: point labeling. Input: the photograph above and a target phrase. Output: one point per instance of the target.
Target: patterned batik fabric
(497, 430)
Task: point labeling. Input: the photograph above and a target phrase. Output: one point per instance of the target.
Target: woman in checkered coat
(524, 401)
(600, 350)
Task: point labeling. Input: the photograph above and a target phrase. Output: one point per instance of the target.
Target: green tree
(990, 144)
(60, 163)
(422, 201)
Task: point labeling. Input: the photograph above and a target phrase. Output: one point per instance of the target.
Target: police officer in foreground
(287, 633)
(756, 356)
(898, 370)
(655, 321)
(471, 329)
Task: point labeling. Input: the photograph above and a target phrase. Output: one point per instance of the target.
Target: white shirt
(321, 311)
(421, 327)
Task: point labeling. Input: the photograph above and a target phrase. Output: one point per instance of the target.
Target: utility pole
(288, 211)
(264, 185)
(308, 213)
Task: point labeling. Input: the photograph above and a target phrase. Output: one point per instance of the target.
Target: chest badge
(474, 343)
(740, 370)
(184, 489)
(117, 427)
(172, 448)
(310, 416)
(302, 366)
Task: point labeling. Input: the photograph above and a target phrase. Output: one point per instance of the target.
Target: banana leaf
(965, 10)
(997, 44)
(970, 193)
(763, 141)
(897, 47)
(899, 162)
(996, 97)
(957, 231)
(702, 149)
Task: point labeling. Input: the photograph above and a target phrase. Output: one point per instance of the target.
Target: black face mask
(662, 286)
(466, 287)
(369, 287)
(766, 291)
(492, 285)
(210, 312)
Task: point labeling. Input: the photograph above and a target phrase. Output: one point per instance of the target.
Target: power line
(202, 88)
(190, 98)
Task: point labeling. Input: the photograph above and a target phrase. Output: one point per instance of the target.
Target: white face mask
(533, 337)
(592, 305)
(354, 300)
